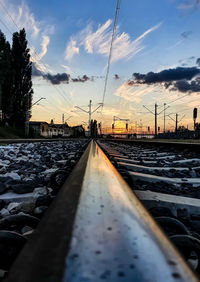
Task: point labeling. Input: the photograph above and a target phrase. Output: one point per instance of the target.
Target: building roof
(37, 122)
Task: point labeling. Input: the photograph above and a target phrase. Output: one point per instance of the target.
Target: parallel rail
(32, 140)
(182, 144)
(97, 229)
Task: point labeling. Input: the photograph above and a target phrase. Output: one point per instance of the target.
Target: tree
(7, 105)
(93, 128)
(182, 128)
(6, 76)
(22, 84)
(2, 64)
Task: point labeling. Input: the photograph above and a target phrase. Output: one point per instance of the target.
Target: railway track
(97, 229)
(166, 180)
(31, 175)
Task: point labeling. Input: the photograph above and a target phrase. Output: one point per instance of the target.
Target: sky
(154, 58)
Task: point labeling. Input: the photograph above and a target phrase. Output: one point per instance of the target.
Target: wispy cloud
(22, 16)
(183, 36)
(133, 93)
(98, 42)
(67, 69)
(38, 33)
(37, 57)
(71, 49)
(189, 5)
(44, 45)
(175, 45)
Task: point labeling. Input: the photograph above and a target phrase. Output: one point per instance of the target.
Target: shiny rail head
(111, 237)
(114, 237)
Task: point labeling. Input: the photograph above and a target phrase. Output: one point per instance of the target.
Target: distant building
(37, 127)
(78, 131)
(52, 130)
(55, 130)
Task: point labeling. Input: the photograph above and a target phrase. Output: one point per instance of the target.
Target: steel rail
(158, 142)
(34, 140)
(113, 238)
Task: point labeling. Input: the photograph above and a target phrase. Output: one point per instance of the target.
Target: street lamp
(37, 101)
(28, 117)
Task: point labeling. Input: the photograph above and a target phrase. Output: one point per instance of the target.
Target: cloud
(23, 17)
(84, 78)
(20, 16)
(52, 78)
(37, 57)
(71, 49)
(186, 34)
(175, 45)
(98, 42)
(36, 71)
(189, 5)
(45, 43)
(181, 79)
(67, 68)
(185, 86)
(168, 75)
(133, 93)
(57, 78)
(198, 62)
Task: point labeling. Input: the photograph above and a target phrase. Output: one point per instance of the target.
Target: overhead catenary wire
(179, 98)
(111, 48)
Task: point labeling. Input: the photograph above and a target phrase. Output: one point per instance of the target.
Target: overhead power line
(6, 26)
(179, 98)
(37, 55)
(111, 48)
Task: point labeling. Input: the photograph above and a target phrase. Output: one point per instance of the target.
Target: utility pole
(90, 112)
(90, 115)
(27, 118)
(164, 116)
(156, 128)
(28, 115)
(176, 121)
(121, 119)
(194, 116)
(136, 127)
(63, 118)
(176, 127)
(100, 129)
(155, 113)
(67, 119)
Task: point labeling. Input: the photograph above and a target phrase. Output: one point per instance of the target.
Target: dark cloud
(57, 78)
(198, 62)
(167, 75)
(53, 78)
(185, 86)
(186, 61)
(82, 79)
(186, 34)
(181, 79)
